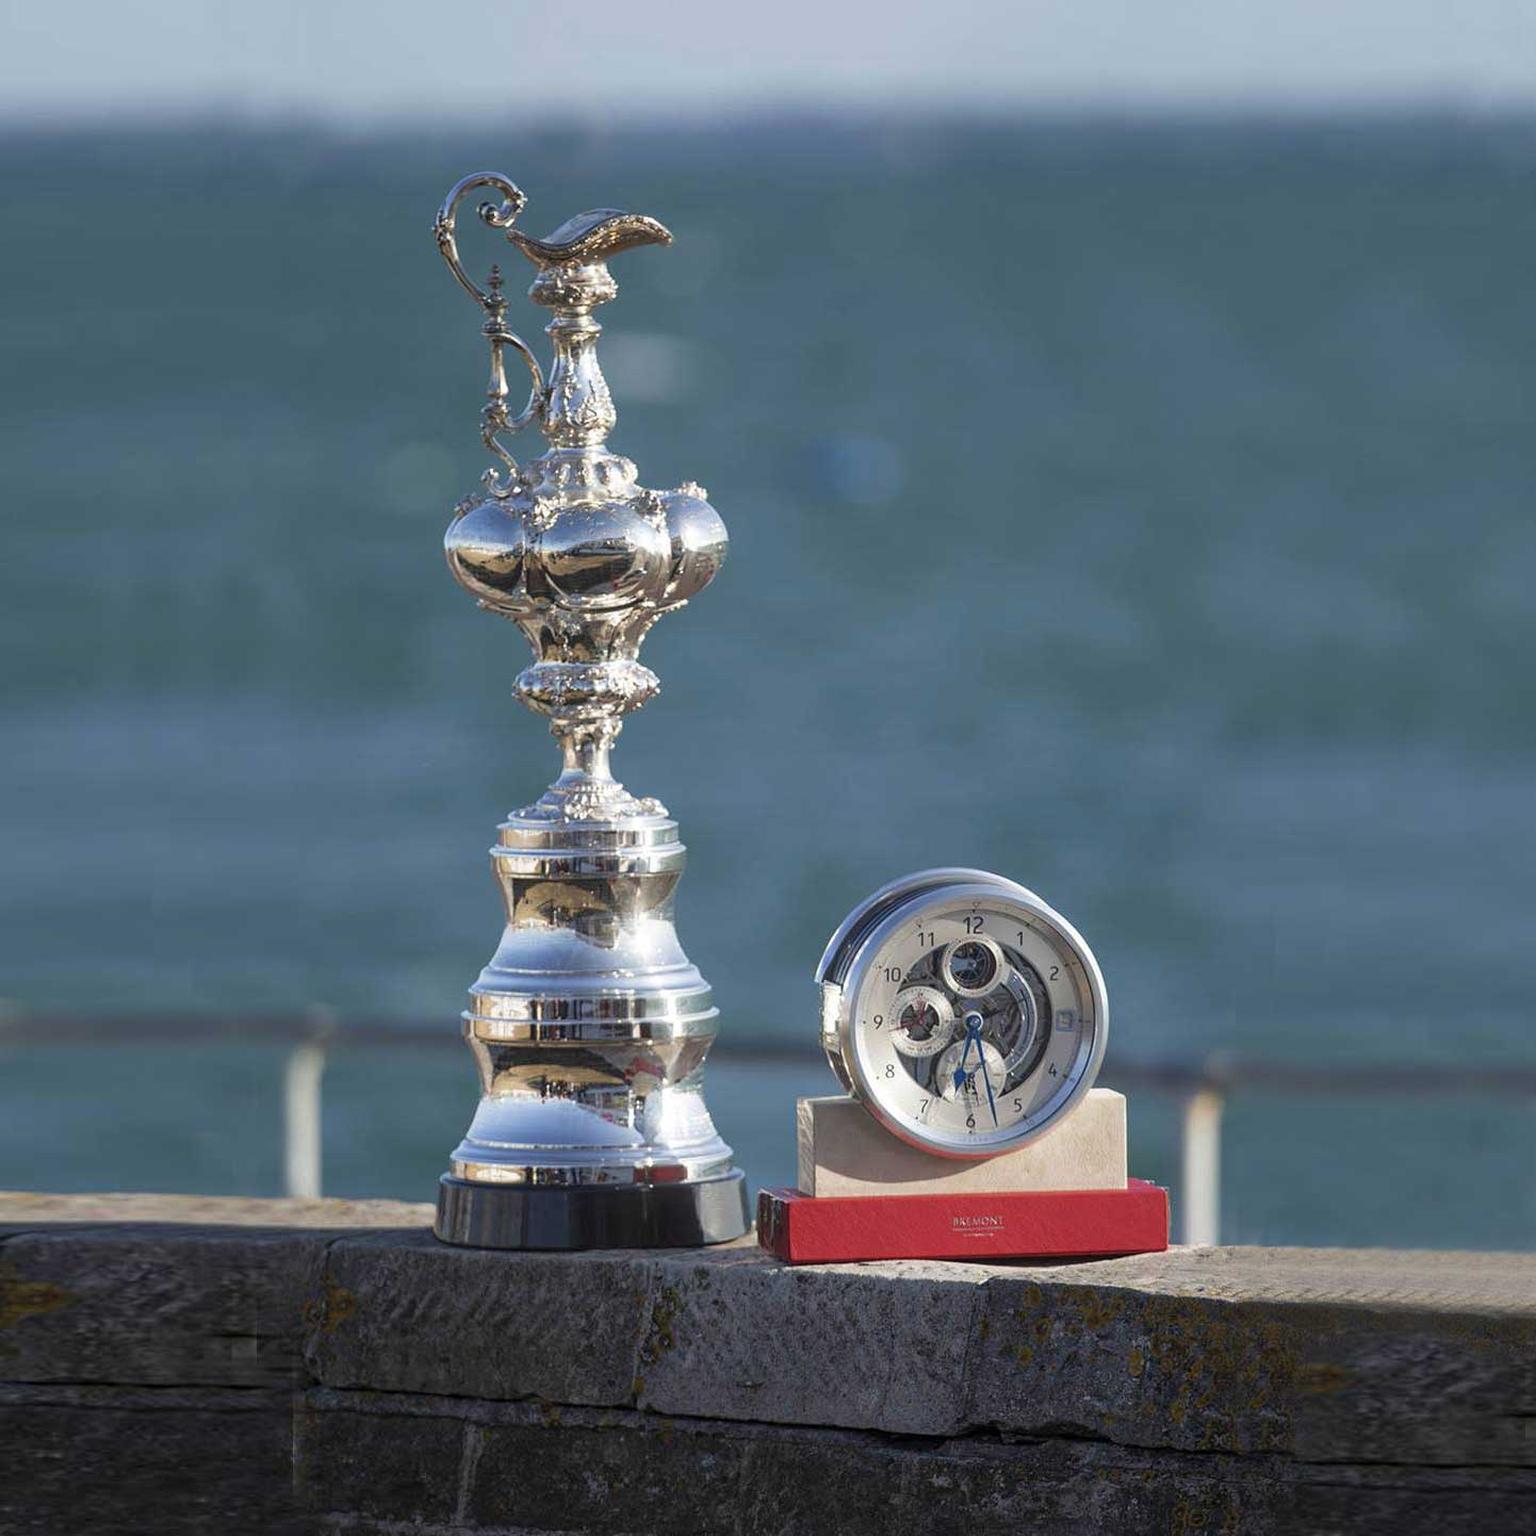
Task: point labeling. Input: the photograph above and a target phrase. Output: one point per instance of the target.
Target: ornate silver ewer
(590, 1025)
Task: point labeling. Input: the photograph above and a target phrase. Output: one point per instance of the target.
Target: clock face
(966, 1013)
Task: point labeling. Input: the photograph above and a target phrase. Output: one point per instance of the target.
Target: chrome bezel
(846, 966)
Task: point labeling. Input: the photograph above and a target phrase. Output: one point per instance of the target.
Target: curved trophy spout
(590, 1025)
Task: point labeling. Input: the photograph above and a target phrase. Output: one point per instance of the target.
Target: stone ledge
(1269, 1376)
(538, 1467)
(21, 1210)
(101, 1459)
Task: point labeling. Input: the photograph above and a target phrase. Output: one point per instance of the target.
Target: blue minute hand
(973, 1032)
(986, 1077)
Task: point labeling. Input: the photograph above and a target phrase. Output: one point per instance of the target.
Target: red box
(1040, 1224)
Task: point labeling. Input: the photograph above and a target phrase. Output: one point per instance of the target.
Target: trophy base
(580, 1216)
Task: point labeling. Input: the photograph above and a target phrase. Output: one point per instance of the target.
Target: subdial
(970, 967)
(959, 1074)
(924, 1021)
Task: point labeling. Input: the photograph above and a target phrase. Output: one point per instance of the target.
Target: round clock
(966, 1014)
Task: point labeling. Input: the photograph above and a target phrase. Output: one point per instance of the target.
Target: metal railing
(1202, 1087)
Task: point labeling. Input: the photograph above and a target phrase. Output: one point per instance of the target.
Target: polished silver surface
(589, 1025)
(966, 1014)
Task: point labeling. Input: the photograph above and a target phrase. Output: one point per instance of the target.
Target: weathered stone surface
(1328, 1356)
(406, 1313)
(104, 1461)
(174, 1306)
(542, 1470)
(169, 1377)
(605, 1474)
(739, 1335)
(166, 1289)
(857, 1485)
(1494, 1283)
(366, 1457)
(22, 1210)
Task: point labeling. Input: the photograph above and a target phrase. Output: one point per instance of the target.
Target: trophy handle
(494, 418)
(443, 226)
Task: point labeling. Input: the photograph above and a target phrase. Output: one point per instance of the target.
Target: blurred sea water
(1141, 511)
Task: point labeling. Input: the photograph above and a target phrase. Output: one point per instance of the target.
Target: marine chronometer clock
(966, 1014)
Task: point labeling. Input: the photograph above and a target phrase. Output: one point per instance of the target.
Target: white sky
(367, 60)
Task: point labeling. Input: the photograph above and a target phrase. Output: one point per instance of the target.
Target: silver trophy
(590, 1025)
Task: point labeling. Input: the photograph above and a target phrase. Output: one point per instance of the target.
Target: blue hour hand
(960, 1072)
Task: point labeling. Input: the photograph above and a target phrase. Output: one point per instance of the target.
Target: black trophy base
(592, 1215)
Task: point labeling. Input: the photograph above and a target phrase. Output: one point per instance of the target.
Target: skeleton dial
(966, 1014)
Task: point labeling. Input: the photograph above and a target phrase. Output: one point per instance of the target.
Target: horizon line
(1082, 111)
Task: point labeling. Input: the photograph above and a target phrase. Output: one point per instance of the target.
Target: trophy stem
(586, 757)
